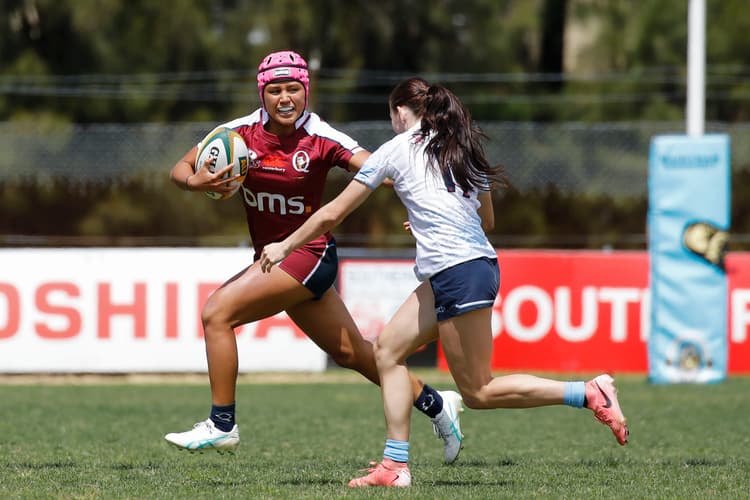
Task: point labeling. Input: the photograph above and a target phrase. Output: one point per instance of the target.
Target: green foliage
(306, 440)
(72, 62)
(140, 212)
(142, 60)
(549, 218)
(153, 212)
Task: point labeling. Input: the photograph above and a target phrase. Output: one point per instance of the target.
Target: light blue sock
(575, 394)
(398, 451)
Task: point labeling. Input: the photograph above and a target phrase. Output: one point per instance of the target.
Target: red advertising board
(738, 273)
(127, 310)
(130, 310)
(578, 311)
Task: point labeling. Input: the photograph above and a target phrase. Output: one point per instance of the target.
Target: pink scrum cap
(283, 65)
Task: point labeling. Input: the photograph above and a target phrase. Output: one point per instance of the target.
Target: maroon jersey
(286, 175)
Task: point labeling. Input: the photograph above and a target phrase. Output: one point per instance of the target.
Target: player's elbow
(329, 218)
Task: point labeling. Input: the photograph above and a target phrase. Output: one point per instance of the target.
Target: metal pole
(696, 105)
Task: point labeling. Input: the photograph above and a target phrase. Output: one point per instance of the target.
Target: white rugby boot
(205, 436)
(447, 426)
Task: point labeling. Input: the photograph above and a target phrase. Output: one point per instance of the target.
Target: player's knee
(213, 317)
(384, 356)
(209, 314)
(475, 398)
(344, 356)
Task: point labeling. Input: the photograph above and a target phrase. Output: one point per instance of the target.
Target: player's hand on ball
(223, 153)
(204, 180)
(272, 254)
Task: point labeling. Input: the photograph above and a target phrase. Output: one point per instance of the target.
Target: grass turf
(307, 439)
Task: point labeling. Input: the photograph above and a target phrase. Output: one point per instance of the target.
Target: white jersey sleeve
(379, 165)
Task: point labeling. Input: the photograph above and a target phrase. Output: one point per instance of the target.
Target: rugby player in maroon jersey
(291, 151)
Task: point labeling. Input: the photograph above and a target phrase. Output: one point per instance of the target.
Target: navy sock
(429, 402)
(223, 417)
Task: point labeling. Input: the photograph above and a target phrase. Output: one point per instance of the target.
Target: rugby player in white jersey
(439, 171)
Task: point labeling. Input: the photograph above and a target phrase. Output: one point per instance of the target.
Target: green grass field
(307, 438)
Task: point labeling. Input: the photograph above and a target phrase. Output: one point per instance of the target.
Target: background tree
(68, 63)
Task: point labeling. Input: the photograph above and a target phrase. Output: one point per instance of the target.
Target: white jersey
(443, 219)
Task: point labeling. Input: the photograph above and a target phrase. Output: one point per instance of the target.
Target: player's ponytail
(455, 141)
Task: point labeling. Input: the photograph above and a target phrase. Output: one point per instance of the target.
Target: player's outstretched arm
(325, 219)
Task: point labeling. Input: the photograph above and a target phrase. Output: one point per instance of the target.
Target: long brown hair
(456, 146)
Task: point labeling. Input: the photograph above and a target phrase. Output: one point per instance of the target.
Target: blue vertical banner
(688, 224)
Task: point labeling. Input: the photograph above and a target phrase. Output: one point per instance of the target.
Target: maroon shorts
(314, 265)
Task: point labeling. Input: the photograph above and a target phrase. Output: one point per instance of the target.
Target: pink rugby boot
(385, 473)
(601, 398)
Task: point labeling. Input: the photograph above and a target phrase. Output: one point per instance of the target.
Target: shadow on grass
(454, 483)
(310, 482)
(704, 462)
(605, 462)
(234, 483)
(451, 483)
(146, 466)
(506, 462)
(41, 466)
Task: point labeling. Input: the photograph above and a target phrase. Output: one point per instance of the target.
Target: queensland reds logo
(301, 161)
(252, 158)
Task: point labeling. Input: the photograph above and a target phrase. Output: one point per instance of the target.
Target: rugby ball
(222, 147)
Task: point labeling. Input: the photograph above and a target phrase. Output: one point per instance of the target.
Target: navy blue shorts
(465, 287)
